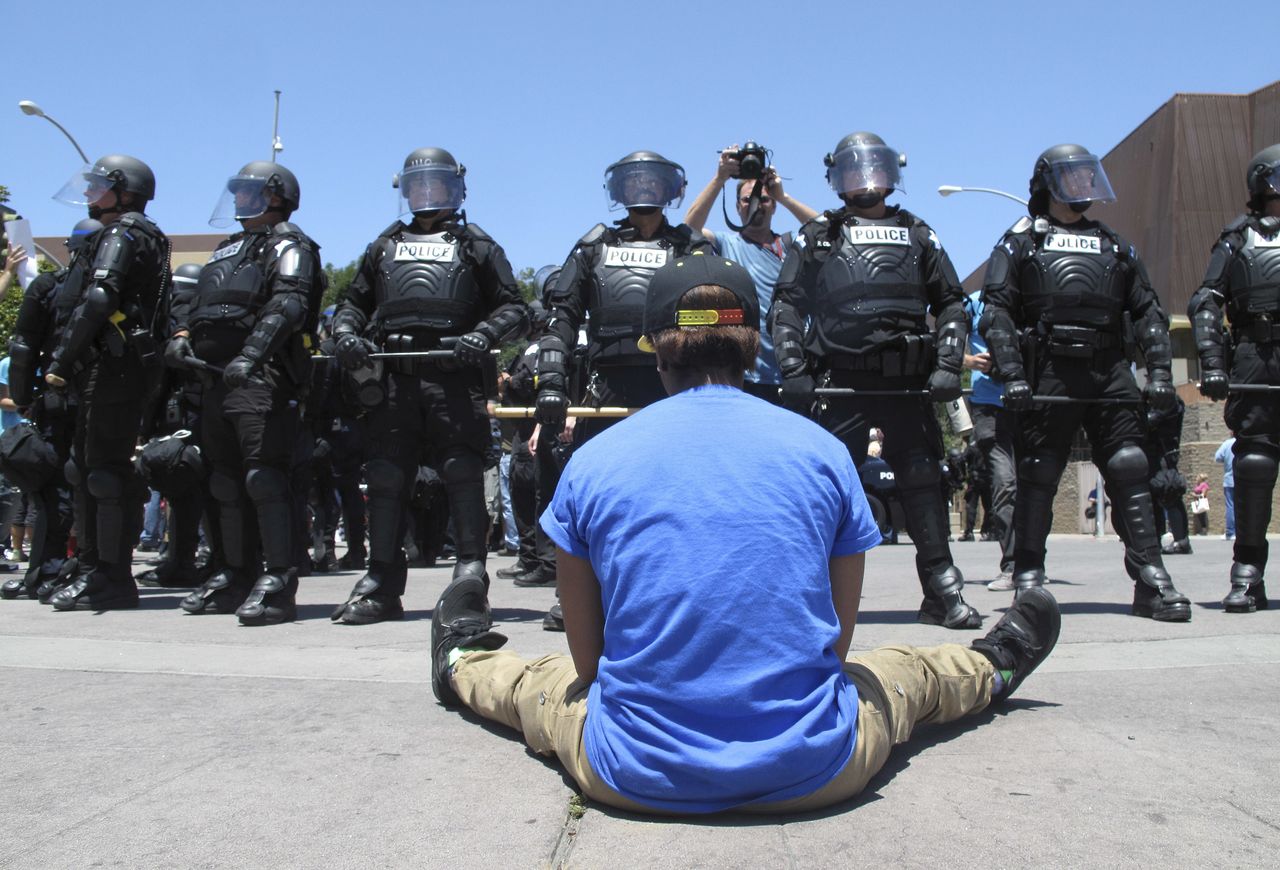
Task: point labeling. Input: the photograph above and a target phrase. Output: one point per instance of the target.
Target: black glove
(1214, 383)
(352, 351)
(1159, 392)
(237, 372)
(179, 354)
(944, 386)
(472, 348)
(1017, 395)
(322, 450)
(552, 408)
(796, 392)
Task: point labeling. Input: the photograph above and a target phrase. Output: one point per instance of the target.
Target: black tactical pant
(1115, 427)
(537, 552)
(912, 447)
(249, 436)
(617, 386)
(1255, 420)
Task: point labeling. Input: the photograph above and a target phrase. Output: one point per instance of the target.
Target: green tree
(340, 277)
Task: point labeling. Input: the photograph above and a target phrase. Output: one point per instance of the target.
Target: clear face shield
(1079, 179)
(644, 185)
(866, 169)
(430, 188)
(88, 186)
(243, 198)
(1271, 183)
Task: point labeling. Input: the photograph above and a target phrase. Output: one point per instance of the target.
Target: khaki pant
(899, 687)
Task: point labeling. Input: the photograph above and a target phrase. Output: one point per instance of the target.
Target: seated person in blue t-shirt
(707, 667)
(755, 246)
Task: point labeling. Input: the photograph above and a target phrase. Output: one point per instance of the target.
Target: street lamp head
(30, 108)
(948, 189)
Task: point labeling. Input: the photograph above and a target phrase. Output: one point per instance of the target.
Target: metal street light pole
(30, 108)
(276, 145)
(948, 189)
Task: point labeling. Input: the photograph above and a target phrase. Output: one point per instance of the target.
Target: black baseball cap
(680, 276)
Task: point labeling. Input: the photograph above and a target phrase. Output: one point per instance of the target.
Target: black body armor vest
(425, 283)
(1075, 279)
(622, 273)
(231, 290)
(1254, 278)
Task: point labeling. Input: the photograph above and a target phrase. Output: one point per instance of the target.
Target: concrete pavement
(151, 738)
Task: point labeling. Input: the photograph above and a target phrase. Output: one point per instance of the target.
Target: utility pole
(276, 146)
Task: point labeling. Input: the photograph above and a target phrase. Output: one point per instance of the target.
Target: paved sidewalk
(150, 738)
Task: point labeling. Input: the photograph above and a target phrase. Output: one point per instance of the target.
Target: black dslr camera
(753, 159)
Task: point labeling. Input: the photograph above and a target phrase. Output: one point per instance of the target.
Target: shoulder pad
(594, 235)
(1236, 226)
(474, 233)
(910, 219)
(287, 228)
(136, 219)
(397, 227)
(1022, 225)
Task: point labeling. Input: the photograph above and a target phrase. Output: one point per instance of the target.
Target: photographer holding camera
(754, 244)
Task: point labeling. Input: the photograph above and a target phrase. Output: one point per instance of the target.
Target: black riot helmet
(187, 275)
(864, 170)
(644, 179)
(1263, 177)
(80, 234)
(1071, 174)
(248, 193)
(544, 280)
(431, 181)
(118, 172)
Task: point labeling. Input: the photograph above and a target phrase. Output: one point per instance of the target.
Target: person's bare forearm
(583, 613)
(700, 208)
(846, 595)
(802, 212)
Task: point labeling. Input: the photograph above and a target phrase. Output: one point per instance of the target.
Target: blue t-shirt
(7, 418)
(709, 519)
(1227, 456)
(985, 390)
(764, 266)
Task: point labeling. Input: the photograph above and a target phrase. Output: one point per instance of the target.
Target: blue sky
(536, 99)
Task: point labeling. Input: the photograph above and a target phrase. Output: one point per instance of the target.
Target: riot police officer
(434, 281)
(866, 276)
(171, 462)
(38, 466)
(108, 357)
(1242, 282)
(1058, 286)
(247, 331)
(607, 276)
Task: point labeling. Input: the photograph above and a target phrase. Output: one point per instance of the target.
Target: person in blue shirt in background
(756, 247)
(707, 668)
(1226, 456)
(994, 433)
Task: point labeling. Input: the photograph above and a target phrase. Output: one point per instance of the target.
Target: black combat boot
(1155, 597)
(223, 592)
(943, 603)
(461, 619)
(375, 597)
(272, 599)
(1248, 593)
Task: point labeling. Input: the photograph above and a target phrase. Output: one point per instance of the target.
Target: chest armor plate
(872, 284)
(1074, 278)
(1254, 276)
(424, 282)
(622, 274)
(232, 285)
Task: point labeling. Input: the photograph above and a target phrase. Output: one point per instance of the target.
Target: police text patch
(1261, 241)
(879, 235)
(426, 252)
(228, 251)
(1075, 244)
(635, 258)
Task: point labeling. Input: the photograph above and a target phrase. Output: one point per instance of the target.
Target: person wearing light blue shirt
(1226, 456)
(756, 247)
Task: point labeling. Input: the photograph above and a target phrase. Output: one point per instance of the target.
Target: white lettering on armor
(1261, 241)
(1073, 243)
(426, 252)
(228, 251)
(879, 235)
(635, 258)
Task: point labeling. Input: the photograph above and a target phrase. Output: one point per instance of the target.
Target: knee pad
(1127, 465)
(1038, 469)
(265, 484)
(461, 466)
(224, 487)
(1257, 468)
(105, 484)
(385, 478)
(919, 471)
